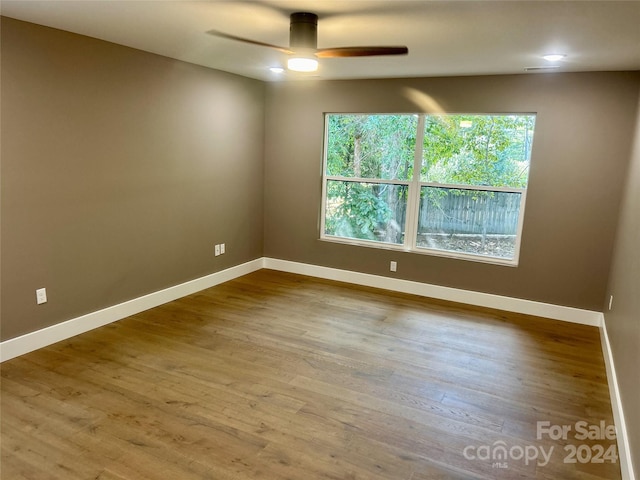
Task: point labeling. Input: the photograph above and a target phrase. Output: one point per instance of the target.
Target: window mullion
(413, 200)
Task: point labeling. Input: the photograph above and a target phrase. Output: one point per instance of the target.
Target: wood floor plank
(282, 376)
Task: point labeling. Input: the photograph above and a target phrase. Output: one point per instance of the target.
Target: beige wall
(120, 171)
(580, 153)
(623, 321)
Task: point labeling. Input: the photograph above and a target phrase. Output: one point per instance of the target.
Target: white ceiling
(444, 37)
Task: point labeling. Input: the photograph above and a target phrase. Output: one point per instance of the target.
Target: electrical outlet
(393, 266)
(217, 250)
(222, 249)
(41, 296)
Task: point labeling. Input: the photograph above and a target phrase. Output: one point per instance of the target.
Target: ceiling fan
(303, 44)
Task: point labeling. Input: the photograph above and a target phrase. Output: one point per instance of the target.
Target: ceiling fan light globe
(554, 57)
(302, 64)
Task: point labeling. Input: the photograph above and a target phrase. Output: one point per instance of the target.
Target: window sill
(422, 251)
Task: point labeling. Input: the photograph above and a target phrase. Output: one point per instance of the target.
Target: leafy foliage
(362, 211)
(491, 150)
(371, 146)
(363, 150)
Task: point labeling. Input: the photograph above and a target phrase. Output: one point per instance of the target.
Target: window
(442, 184)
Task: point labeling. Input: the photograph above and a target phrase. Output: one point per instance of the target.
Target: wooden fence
(469, 212)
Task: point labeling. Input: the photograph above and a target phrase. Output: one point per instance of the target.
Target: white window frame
(414, 186)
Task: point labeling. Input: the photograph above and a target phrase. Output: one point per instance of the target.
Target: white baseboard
(47, 336)
(517, 305)
(61, 331)
(624, 449)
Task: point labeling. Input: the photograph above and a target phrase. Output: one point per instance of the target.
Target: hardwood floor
(280, 376)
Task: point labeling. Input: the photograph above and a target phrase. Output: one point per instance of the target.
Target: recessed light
(553, 57)
(276, 70)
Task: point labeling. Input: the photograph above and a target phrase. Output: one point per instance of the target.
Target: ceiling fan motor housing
(303, 32)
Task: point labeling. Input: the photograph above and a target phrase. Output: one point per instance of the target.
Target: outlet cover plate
(41, 296)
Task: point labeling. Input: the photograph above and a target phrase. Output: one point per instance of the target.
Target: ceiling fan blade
(360, 51)
(220, 34)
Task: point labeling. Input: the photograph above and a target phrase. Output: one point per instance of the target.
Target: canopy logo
(499, 454)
